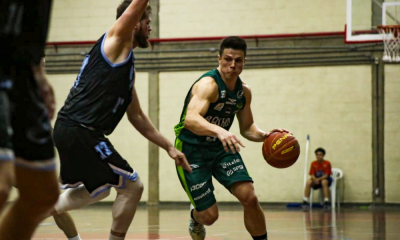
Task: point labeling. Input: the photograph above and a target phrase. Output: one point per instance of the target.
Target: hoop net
(391, 40)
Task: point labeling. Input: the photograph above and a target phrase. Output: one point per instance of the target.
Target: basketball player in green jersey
(203, 135)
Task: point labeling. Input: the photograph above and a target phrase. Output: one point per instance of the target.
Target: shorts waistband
(72, 123)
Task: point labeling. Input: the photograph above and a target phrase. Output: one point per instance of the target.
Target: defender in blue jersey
(212, 151)
(103, 92)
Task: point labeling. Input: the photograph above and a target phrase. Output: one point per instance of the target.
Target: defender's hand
(45, 89)
(274, 131)
(230, 141)
(47, 93)
(180, 158)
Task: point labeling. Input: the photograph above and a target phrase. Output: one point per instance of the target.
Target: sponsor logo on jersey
(231, 101)
(239, 105)
(211, 139)
(228, 164)
(203, 195)
(222, 122)
(197, 186)
(223, 94)
(219, 106)
(228, 111)
(194, 166)
(233, 170)
(240, 94)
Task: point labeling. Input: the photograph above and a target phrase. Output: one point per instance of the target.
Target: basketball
(281, 149)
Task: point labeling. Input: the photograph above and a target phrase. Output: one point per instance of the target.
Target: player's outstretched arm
(143, 124)
(119, 40)
(205, 92)
(248, 128)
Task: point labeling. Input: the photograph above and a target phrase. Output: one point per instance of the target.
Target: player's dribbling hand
(180, 158)
(275, 130)
(230, 141)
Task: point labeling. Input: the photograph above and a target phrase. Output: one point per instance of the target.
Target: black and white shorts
(87, 157)
(24, 125)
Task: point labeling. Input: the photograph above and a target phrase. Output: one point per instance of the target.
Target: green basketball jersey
(222, 112)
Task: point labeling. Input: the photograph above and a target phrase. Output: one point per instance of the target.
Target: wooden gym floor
(171, 222)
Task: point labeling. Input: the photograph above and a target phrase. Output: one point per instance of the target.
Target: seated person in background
(320, 172)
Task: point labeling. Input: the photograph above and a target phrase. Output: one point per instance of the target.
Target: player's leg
(71, 199)
(325, 189)
(6, 153)
(231, 172)
(79, 155)
(307, 192)
(254, 218)
(35, 201)
(6, 180)
(35, 164)
(65, 222)
(198, 187)
(307, 189)
(124, 207)
(206, 217)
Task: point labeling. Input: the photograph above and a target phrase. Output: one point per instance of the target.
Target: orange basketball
(281, 149)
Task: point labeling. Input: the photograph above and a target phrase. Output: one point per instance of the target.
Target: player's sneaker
(305, 206)
(196, 230)
(327, 206)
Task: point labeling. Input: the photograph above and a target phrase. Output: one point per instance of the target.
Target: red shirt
(320, 169)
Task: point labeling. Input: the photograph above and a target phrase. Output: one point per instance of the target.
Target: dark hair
(320, 150)
(235, 43)
(125, 4)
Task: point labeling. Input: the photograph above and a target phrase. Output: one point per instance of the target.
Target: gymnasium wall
(392, 133)
(332, 104)
(76, 20)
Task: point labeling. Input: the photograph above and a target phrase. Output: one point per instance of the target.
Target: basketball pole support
(306, 160)
(154, 115)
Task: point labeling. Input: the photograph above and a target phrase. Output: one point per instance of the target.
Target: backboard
(363, 17)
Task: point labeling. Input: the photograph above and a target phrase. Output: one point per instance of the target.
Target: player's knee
(309, 182)
(140, 188)
(325, 183)
(103, 195)
(209, 217)
(132, 190)
(250, 200)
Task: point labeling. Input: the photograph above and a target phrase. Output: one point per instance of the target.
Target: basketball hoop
(391, 40)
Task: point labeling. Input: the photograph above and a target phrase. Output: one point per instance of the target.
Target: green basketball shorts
(208, 161)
